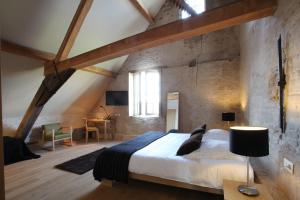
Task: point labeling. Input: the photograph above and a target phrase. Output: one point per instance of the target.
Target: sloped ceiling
(42, 24)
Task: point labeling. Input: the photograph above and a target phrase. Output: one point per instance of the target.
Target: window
(144, 93)
(197, 5)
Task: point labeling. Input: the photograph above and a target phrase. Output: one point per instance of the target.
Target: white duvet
(207, 166)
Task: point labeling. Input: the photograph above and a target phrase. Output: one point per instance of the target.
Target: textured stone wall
(206, 90)
(259, 72)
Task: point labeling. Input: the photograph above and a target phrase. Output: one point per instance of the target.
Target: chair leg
(53, 140)
(53, 145)
(98, 136)
(105, 130)
(86, 136)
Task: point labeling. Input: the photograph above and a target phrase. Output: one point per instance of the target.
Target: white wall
(20, 80)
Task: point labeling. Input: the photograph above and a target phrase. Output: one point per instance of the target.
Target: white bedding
(207, 166)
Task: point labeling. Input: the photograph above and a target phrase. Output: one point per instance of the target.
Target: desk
(105, 122)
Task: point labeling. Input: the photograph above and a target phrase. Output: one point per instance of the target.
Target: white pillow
(217, 134)
(214, 149)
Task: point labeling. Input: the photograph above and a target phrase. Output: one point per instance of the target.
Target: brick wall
(206, 90)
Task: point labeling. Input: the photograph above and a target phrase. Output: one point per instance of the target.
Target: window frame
(142, 105)
(183, 12)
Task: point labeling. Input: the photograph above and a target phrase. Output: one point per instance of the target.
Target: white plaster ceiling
(42, 24)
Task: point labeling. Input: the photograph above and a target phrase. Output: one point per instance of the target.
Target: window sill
(145, 116)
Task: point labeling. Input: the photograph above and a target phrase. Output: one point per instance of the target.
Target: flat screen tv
(116, 98)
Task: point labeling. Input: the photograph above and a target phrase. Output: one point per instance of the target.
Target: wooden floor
(38, 180)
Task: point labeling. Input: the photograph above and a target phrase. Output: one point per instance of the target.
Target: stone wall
(206, 90)
(259, 75)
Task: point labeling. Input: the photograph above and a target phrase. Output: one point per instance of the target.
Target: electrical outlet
(288, 165)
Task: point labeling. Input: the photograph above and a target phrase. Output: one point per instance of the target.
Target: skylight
(197, 5)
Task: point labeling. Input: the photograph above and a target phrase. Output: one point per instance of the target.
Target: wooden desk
(231, 192)
(101, 121)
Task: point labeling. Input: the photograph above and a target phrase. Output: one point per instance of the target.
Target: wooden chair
(55, 132)
(91, 128)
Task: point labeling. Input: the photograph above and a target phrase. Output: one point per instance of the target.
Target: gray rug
(81, 164)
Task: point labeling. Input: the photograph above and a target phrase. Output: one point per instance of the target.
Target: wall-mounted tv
(116, 98)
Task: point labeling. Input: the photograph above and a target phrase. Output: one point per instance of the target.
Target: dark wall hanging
(281, 84)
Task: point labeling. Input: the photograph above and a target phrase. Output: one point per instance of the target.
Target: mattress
(206, 167)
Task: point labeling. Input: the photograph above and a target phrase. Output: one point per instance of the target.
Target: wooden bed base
(173, 183)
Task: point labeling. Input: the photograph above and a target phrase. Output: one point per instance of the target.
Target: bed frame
(168, 182)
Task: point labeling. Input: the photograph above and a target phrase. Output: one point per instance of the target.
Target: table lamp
(107, 116)
(251, 142)
(228, 117)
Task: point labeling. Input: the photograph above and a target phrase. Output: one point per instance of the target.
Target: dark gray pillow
(190, 145)
(200, 129)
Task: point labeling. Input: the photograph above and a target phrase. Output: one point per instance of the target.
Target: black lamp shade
(228, 116)
(249, 141)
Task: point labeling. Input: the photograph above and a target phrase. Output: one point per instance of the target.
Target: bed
(204, 169)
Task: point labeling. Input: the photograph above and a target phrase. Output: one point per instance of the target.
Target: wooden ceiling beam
(53, 82)
(181, 4)
(100, 71)
(143, 11)
(45, 56)
(25, 51)
(219, 18)
(47, 89)
(73, 29)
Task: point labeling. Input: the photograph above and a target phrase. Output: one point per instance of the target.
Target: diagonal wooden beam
(223, 17)
(73, 29)
(181, 4)
(46, 56)
(25, 51)
(100, 71)
(143, 11)
(53, 82)
(48, 88)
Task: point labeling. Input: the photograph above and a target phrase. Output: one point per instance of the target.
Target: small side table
(231, 192)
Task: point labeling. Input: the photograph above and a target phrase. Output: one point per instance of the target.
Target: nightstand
(231, 192)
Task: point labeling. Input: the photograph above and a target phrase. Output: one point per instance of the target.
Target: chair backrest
(49, 127)
(88, 123)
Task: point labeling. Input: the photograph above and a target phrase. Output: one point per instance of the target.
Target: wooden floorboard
(39, 180)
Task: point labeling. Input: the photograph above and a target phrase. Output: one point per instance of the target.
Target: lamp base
(247, 190)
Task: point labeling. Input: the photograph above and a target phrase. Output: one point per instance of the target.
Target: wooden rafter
(73, 29)
(25, 51)
(181, 4)
(53, 82)
(47, 89)
(143, 11)
(216, 19)
(100, 71)
(46, 56)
